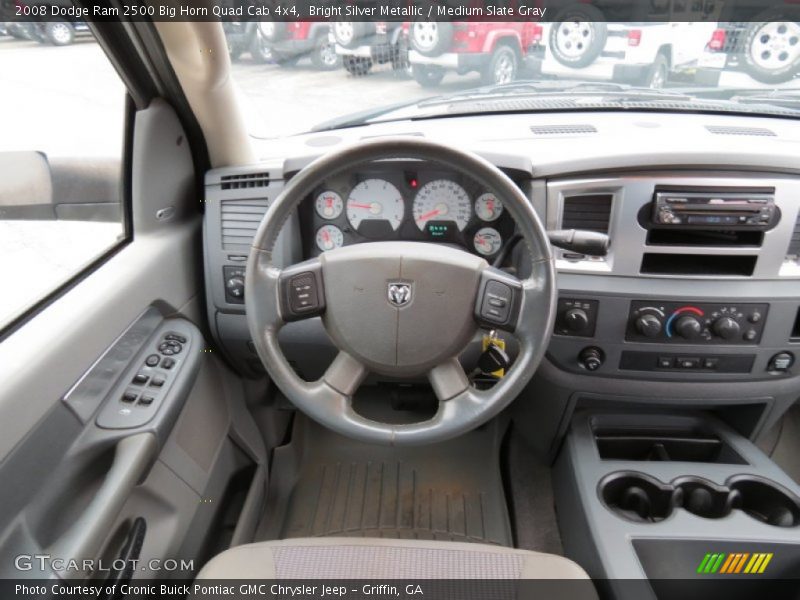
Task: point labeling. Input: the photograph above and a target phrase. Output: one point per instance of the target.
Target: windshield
(300, 76)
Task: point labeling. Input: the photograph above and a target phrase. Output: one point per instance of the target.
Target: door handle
(133, 455)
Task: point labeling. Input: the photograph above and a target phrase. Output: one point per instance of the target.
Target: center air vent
(794, 245)
(246, 180)
(587, 211)
(730, 130)
(240, 219)
(563, 129)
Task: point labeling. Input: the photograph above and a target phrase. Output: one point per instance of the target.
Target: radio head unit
(715, 210)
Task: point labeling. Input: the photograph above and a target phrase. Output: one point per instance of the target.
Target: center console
(673, 499)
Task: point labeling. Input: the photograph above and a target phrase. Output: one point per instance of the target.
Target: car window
(303, 75)
(62, 111)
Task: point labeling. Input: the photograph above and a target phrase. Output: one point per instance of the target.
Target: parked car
(580, 45)
(496, 50)
(60, 33)
(282, 43)
(766, 50)
(362, 45)
(19, 30)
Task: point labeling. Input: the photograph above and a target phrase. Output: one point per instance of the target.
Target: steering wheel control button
(302, 292)
(152, 360)
(140, 379)
(591, 358)
(781, 362)
(496, 305)
(167, 363)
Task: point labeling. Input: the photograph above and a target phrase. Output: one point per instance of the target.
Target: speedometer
(442, 200)
(375, 200)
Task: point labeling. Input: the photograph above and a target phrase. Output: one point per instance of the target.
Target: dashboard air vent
(587, 211)
(240, 219)
(730, 130)
(794, 244)
(246, 180)
(563, 129)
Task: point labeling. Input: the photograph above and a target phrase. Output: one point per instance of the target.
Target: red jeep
(496, 50)
(286, 43)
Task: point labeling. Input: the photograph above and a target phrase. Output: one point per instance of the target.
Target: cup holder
(703, 498)
(766, 501)
(644, 499)
(637, 497)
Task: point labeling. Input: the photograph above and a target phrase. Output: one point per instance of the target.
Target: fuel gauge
(488, 207)
(329, 205)
(487, 241)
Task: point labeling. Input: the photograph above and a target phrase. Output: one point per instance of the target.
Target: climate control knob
(726, 328)
(648, 325)
(688, 327)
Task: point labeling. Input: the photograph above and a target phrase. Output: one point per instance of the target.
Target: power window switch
(129, 397)
(140, 379)
(146, 400)
(157, 382)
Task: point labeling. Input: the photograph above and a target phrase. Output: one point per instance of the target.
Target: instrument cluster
(405, 201)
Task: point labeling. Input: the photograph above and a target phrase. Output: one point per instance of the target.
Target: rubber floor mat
(324, 484)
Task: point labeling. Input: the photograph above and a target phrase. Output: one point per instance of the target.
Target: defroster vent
(587, 211)
(240, 220)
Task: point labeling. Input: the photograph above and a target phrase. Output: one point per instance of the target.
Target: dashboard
(408, 201)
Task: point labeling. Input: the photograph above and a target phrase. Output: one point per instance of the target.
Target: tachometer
(487, 241)
(329, 205)
(442, 200)
(374, 200)
(488, 207)
(329, 237)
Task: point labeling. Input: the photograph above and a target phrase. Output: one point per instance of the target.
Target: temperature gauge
(329, 237)
(329, 205)
(487, 241)
(488, 207)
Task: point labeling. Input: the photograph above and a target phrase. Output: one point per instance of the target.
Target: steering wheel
(400, 309)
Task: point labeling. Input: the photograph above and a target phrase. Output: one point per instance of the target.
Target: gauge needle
(354, 205)
(429, 214)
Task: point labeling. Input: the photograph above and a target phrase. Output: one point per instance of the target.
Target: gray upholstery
(365, 558)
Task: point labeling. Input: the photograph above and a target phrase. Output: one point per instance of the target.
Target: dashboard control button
(688, 363)
(782, 361)
(140, 379)
(648, 325)
(726, 328)
(710, 363)
(152, 360)
(591, 358)
(167, 363)
(665, 362)
(689, 328)
(129, 397)
(754, 317)
(234, 284)
(750, 335)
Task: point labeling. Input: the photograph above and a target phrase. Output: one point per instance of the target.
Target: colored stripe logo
(734, 563)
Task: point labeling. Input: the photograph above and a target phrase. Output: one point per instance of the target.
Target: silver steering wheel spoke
(448, 380)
